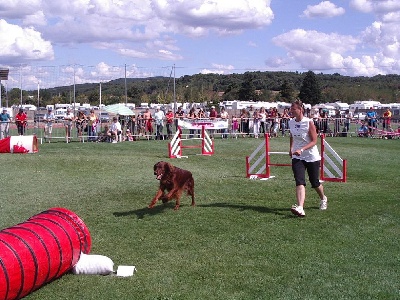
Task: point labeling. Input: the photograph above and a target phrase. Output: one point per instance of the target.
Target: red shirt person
(21, 121)
(170, 121)
(387, 117)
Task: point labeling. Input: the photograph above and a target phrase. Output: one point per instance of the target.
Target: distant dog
(175, 181)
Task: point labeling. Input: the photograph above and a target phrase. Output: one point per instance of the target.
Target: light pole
(174, 93)
(3, 76)
(126, 90)
(38, 95)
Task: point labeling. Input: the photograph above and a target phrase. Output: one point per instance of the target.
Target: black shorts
(300, 167)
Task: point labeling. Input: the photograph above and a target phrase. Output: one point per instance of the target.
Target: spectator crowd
(162, 124)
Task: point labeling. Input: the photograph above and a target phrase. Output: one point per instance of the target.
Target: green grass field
(239, 242)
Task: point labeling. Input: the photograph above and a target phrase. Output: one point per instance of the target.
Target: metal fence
(330, 127)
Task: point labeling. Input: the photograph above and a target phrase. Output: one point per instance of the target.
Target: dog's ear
(156, 165)
(168, 167)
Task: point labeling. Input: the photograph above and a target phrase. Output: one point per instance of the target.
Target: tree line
(256, 86)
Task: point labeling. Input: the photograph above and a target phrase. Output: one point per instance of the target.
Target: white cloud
(218, 69)
(384, 37)
(135, 24)
(18, 9)
(36, 19)
(378, 7)
(318, 51)
(18, 44)
(314, 50)
(252, 44)
(222, 16)
(276, 62)
(325, 9)
(362, 5)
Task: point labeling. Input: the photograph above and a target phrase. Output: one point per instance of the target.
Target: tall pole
(74, 92)
(3, 76)
(126, 91)
(20, 82)
(101, 121)
(174, 92)
(100, 96)
(38, 94)
(6, 95)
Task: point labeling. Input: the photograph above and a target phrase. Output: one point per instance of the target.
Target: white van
(59, 113)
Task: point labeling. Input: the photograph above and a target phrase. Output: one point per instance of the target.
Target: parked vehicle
(104, 117)
(38, 117)
(59, 113)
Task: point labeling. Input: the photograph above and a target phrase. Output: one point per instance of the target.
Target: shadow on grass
(260, 209)
(142, 212)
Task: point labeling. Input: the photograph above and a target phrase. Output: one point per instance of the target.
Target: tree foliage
(310, 91)
(247, 91)
(287, 91)
(213, 88)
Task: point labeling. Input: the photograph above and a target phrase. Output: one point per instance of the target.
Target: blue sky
(49, 42)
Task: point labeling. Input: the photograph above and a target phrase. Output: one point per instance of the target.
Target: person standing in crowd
(49, 119)
(263, 119)
(251, 120)
(275, 122)
(179, 115)
(387, 117)
(244, 122)
(305, 157)
(235, 126)
(21, 121)
(80, 124)
(5, 120)
(131, 125)
(92, 126)
(256, 123)
(201, 114)
(159, 117)
(213, 115)
(68, 121)
(316, 119)
(371, 117)
(148, 120)
(348, 116)
(269, 120)
(140, 125)
(337, 119)
(284, 121)
(192, 116)
(224, 117)
(170, 121)
(324, 127)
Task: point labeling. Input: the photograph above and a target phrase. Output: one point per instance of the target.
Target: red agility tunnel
(41, 249)
(19, 144)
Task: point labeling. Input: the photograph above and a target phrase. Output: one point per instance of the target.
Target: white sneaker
(323, 205)
(114, 142)
(298, 211)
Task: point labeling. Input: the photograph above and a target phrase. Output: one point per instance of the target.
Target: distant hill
(212, 88)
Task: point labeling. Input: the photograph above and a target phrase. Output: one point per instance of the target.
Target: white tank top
(301, 137)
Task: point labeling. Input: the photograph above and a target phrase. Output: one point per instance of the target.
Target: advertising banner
(199, 123)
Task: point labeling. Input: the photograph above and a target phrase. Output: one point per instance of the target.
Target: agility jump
(176, 146)
(258, 164)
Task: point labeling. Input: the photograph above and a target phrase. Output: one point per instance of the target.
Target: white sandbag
(91, 264)
(125, 271)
